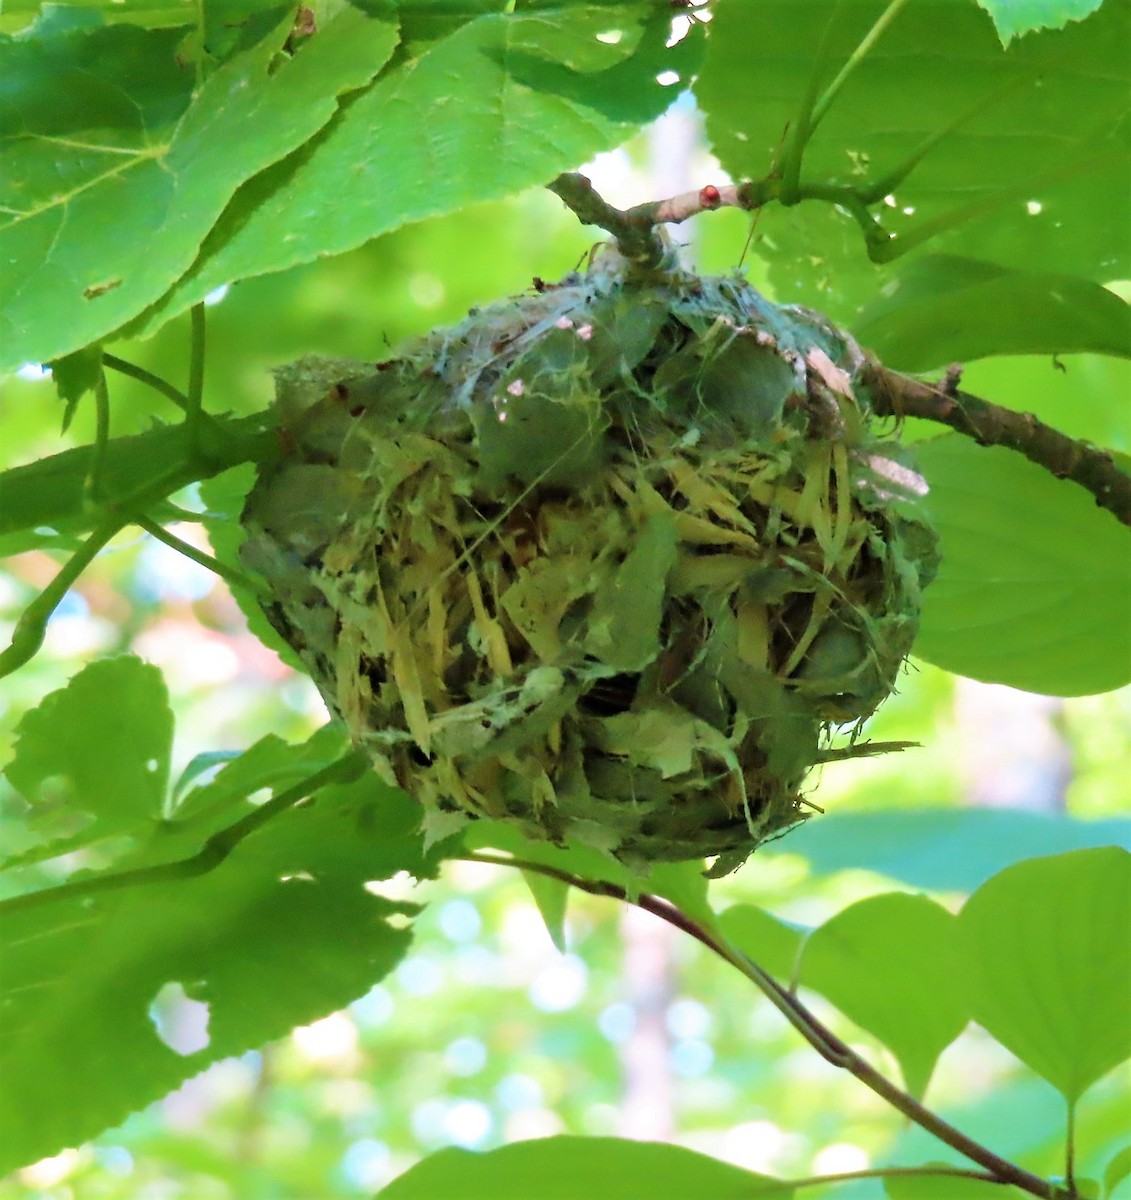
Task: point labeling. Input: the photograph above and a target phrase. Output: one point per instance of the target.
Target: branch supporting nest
(893, 394)
(635, 229)
(897, 395)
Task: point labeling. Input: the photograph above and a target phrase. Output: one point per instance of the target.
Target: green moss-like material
(608, 561)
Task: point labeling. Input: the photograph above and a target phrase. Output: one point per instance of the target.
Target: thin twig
(893, 394)
(635, 228)
(148, 378)
(889, 1173)
(898, 395)
(832, 1048)
(232, 576)
(637, 239)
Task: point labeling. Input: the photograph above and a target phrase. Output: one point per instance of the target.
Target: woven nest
(608, 561)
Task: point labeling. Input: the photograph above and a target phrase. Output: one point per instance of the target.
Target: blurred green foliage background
(486, 1033)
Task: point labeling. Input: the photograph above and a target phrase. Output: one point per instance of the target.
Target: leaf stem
(195, 395)
(232, 576)
(890, 1173)
(801, 128)
(92, 486)
(854, 60)
(1070, 1150)
(31, 627)
(147, 377)
(832, 1048)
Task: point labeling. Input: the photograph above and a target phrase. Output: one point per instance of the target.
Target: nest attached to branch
(608, 561)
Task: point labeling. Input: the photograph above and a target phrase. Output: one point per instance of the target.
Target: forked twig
(892, 393)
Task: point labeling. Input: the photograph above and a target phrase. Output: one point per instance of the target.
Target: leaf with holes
(87, 970)
(1014, 155)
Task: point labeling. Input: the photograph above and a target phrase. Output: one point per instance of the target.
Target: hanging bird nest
(608, 561)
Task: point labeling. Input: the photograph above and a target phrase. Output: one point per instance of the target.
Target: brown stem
(937, 1171)
(897, 395)
(821, 1038)
(893, 394)
(635, 228)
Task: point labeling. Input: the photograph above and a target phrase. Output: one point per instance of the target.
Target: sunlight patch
(179, 1021)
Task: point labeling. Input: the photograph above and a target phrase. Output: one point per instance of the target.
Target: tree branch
(897, 395)
(832, 1048)
(893, 394)
(635, 228)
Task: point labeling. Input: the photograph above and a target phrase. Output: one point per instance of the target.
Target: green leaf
(196, 813)
(269, 763)
(944, 309)
(945, 850)
(1117, 1170)
(85, 970)
(97, 749)
(891, 964)
(571, 858)
(84, 974)
(1047, 963)
(551, 896)
(564, 1168)
(363, 831)
(265, 769)
(1025, 153)
(946, 1187)
(75, 375)
(685, 886)
(107, 110)
(774, 944)
(215, 14)
(1015, 17)
(1032, 587)
(504, 102)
